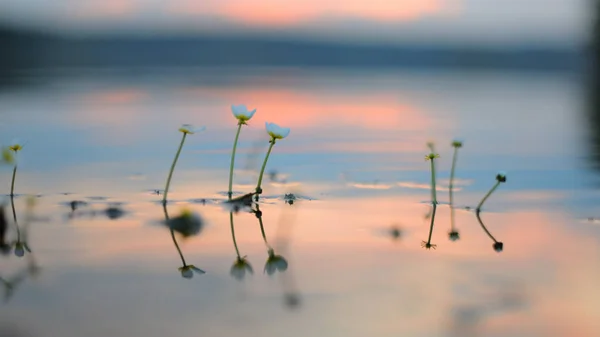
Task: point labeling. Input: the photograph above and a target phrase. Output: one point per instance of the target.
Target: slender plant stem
(237, 251)
(173, 235)
(483, 226)
(451, 188)
(173, 168)
(432, 221)
(237, 136)
(262, 230)
(262, 170)
(433, 189)
(488, 195)
(12, 184)
(12, 205)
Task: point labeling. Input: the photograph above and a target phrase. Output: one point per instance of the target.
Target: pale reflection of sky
(352, 133)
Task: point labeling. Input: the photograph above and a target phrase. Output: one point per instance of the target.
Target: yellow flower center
(186, 213)
(243, 119)
(274, 135)
(16, 147)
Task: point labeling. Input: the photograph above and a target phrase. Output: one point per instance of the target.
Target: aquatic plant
(243, 115)
(240, 267)
(275, 132)
(11, 158)
(20, 245)
(185, 129)
(500, 178)
(274, 262)
(187, 224)
(431, 158)
(453, 235)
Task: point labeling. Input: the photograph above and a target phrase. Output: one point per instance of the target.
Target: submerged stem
(12, 184)
(262, 170)
(12, 205)
(237, 135)
(451, 188)
(237, 251)
(483, 226)
(262, 228)
(173, 235)
(432, 221)
(488, 195)
(173, 168)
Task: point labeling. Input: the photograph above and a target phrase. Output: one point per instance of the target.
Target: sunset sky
(478, 21)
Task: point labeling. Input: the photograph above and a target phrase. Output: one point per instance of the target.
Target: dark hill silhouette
(27, 49)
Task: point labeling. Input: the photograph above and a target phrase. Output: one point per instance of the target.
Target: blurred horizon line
(33, 48)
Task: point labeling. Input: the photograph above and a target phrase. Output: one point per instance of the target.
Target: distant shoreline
(31, 50)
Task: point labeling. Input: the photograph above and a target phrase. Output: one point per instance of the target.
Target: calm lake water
(356, 152)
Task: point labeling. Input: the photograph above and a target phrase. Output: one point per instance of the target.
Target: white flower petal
(238, 273)
(242, 113)
(19, 251)
(281, 264)
(238, 110)
(270, 268)
(187, 273)
(276, 131)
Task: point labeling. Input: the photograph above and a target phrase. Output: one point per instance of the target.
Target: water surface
(356, 150)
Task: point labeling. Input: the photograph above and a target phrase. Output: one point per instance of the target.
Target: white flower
(189, 270)
(241, 113)
(239, 268)
(277, 132)
(275, 263)
(190, 129)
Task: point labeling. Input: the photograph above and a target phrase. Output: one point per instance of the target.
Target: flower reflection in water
(21, 248)
(500, 178)
(453, 235)
(187, 224)
(431, 158)
(21, 244)
(274, 262)
(241, 265)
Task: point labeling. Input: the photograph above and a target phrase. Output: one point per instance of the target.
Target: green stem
(173, 235)
(433, 190)
(173, 168)
(237, 251)
(237, 136)
(451, 188)
(262, 170)
(12, 205)
(262, 229)
(487, 196)
(483, 226)
(12, 184)
(432, 221)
